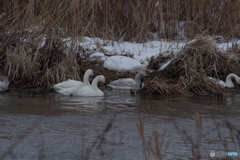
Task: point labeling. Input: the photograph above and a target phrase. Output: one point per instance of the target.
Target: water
(56, 127)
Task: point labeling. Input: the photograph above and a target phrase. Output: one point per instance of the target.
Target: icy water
(55, 127)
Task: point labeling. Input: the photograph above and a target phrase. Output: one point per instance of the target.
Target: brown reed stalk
(116, 19)
(155, 145)
(132, 20)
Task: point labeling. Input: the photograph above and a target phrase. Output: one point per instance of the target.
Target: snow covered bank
(123, 64)
(128, 56)
(132, 57)
(125, 56)
(49, 61)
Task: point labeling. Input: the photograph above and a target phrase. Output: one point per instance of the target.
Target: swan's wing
(124, 83)
(87, 91)
(80, 90)
(66, 84)
(220, 82)
(119, 87)
(70, 90)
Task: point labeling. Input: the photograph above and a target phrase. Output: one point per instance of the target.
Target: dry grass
(201, 56)
(130, 20)
(23, 25)
(226, 140)
(154, 146)
(38, 69)
(188, 71)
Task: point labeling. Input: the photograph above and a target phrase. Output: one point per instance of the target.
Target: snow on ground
(131, 57)
(127, 56)
(163, 66)
(123, 64)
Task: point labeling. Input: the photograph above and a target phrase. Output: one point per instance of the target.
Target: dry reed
(154, 146)
(23, 25)
(131, 20)
(190, 70)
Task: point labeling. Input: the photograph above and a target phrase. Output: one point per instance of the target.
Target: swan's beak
(105, 84)
(141, 85)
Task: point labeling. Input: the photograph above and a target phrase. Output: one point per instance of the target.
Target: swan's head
(139, 78)
(238, 80)
(89, 72)
(101, 79)
(4, 82)
(232, 75)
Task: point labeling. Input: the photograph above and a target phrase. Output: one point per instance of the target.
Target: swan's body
(84, 90)
(228, 82)
(72, 83)
(128, 83)
(4, 83)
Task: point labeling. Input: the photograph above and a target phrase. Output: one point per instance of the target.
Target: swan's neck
(86, 79)
(229, 82)
(95, 83)
(138, 79)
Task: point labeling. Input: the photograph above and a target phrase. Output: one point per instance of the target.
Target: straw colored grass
(202, 56)
(23, 25)
(191, 68)
(37, 69)
(129, 20)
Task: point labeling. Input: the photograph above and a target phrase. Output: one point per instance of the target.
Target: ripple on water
(64, 126)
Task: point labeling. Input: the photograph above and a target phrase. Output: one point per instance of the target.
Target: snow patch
(165, 65)
(123, 64)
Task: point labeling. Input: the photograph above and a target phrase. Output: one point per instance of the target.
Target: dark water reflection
(56, 127)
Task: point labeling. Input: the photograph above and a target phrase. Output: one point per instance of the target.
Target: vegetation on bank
(188, 71)
(23, 25)
(131, 20)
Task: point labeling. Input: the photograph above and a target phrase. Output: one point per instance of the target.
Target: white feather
(228, 82)
(4, 83)
(128, 83)
(82, 89)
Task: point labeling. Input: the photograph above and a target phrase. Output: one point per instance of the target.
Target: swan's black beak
(141, 85)
(105, 84)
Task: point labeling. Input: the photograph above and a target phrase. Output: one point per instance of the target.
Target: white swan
(4, 83)
(84, 90)
(228, 82)
(128, 83)
(72, 83)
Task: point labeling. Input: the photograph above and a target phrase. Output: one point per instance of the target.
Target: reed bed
(128, 20)
(188, 72)
(24, 24)
(32, 68)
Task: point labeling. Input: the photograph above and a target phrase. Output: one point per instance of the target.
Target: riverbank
(171, 67)
(175, 42)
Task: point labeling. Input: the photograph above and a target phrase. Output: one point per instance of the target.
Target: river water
(51, 126)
